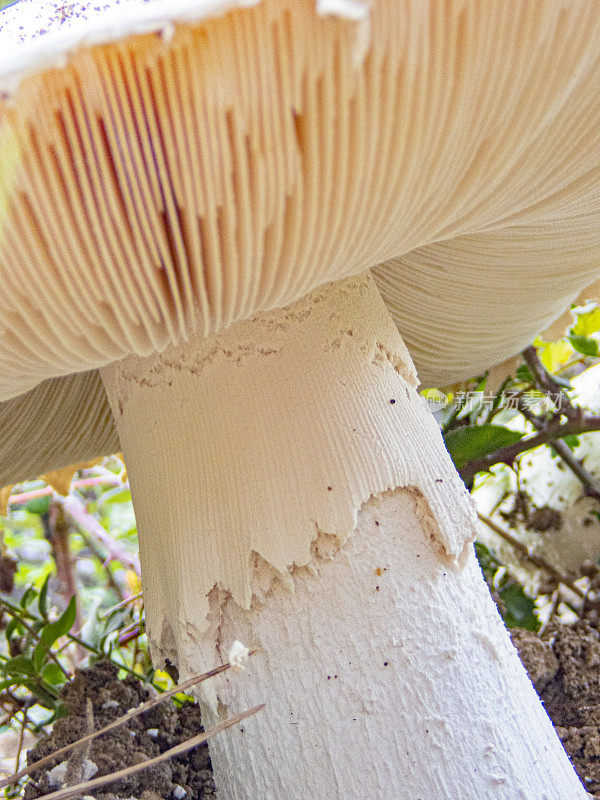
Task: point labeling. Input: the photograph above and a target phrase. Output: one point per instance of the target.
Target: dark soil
(187, 777)
(564, 666)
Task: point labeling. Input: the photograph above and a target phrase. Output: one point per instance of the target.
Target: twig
(553, 431)
(532, 558)
(21, 740)
(136, 651)
(87, 787)
(20, 706)
(548, 383)
(590, 484)
(134, 712)
(24, 497)
(110, 578)
(131, 632)
(56, 530)
(124, 602)
(76, 761)
(75, 509)
(553, 609)
(23, 612)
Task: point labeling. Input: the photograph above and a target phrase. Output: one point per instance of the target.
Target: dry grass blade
(532, 558)
(134, 712)
(122, 604)
(87, 787)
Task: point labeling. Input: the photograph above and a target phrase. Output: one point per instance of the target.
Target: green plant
(487, 433)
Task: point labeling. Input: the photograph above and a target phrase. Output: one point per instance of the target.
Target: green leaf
(39, 656)
(50, 633)
(585, 345)
(469, 443)
(571, 441)
(588, 322)
(53, 674)
(487, 560)
(12, 628)
(20, 665)
(524, 374)
(121, 494)
(38, 505)
(520, 609)
(554, 354)
(6, 3)
(27, 596)
(43, 598)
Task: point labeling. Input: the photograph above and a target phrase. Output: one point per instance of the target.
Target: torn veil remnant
(191, 195)
(273, 411)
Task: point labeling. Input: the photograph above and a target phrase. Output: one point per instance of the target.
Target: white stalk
(293, 492)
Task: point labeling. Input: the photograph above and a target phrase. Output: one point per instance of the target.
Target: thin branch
(76, 761)
(87, 787)
(76, 510)
(532, 558)
(548, 383)
(553, 431)
(104, 563)
(21, 740)
(133, 712)
(56, 530)
(20, 706)
(133, 631)
(553, 609)
(24, 497)
(590, 484)
(123, 603)
(23, 612)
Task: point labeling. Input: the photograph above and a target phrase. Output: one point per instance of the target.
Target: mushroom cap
(170, 168)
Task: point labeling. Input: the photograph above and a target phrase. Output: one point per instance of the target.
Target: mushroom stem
(396, 686)
(293, 491)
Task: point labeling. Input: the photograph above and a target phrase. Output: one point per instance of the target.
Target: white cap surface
(38, 33)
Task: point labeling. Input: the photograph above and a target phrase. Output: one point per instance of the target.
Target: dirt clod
(139, 740)
(564, 666)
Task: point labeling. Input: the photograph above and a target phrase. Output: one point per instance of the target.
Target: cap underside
(62, 421)
(168, 184)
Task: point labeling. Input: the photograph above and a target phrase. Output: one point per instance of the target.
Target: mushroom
(192, 196)
(556, 330)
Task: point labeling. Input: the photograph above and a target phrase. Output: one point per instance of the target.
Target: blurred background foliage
(70, 595)
(539, 508)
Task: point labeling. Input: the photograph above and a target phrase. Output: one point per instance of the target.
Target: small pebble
(89, 769)
(110, 704)
(179, 792)
(153, 732)
(56, 775)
